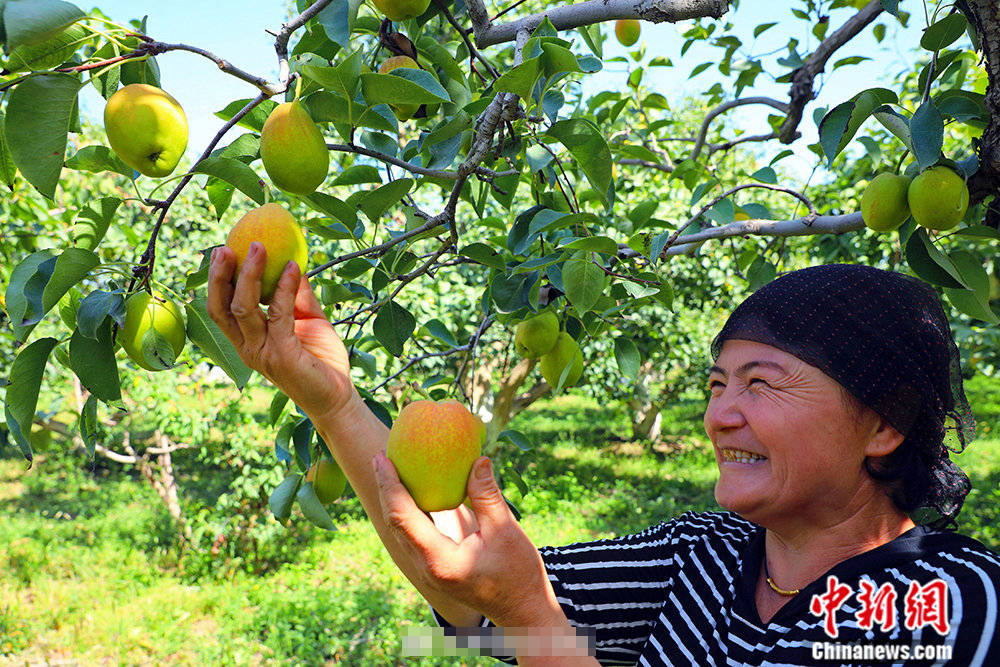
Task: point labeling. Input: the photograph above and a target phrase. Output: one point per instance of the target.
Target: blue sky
(236, 31)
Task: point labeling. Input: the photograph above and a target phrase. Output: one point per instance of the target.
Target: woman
(829, 398)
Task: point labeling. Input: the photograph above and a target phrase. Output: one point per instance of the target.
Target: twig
(413, 168)
(473, 51)
(726, 106)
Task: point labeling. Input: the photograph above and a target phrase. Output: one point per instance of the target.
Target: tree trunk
(985, 16)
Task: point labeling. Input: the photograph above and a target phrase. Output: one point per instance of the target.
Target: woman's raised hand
(293, 345)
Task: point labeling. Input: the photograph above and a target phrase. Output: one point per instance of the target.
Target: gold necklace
(775, 587)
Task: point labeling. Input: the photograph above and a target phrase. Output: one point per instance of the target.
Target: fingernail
(215, 251)
(291, 263)
(254, 248)
(485, 470)
(377, 467)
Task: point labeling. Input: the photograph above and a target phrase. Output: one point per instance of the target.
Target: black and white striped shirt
(682, 593)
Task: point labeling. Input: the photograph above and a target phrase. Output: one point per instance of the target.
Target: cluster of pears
(539, 338)
(937, 198)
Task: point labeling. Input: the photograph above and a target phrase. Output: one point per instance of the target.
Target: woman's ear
(883, 439)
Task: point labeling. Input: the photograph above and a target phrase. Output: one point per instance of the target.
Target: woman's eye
(756, 380)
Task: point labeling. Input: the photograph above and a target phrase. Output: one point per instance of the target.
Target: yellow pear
(274, 228)
(883, 205)
(537, 335)
(400, 10)
(147, 318)
(328, 480)
(293, 149)
(627, 31)
(147, 128)
(402, 111)
(566, 352)
(433, 446)
(938, 198)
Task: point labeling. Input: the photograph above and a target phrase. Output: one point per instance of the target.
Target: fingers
(220, 293)
(246, 298)
(306, 303)
(413, 528)
(487, 502)
(281, 326)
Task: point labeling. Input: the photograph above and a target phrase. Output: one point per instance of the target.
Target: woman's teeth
(740, 456)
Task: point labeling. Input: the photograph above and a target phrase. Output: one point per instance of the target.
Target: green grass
(88, 570)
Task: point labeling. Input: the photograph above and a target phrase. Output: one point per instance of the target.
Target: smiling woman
(834, 394)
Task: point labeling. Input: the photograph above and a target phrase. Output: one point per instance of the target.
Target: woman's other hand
(492, 567)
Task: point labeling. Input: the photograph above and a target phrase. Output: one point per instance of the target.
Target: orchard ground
(88, 572)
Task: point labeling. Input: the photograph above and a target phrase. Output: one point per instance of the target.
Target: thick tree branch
(281, 40)
(802, 78)
(985, 16)
(804, 226)
(567, 17)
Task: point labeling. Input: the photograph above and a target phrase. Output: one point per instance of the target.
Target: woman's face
(786, 445)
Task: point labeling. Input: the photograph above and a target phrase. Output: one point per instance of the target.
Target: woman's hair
(884, 337)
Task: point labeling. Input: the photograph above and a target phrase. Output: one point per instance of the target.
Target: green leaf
(89, 425)
(312, 508)
(255, 119)
(358, 174)
(840, 125)
(93, 361)
(393, 326)
(96, 159)
(584, 282)
(927, 130)
(157, 351)
(437, 329)
(403, 85)
(895, 123)
(31, 21)
(278, 403)
(94, 310)
(975, 301)
(93, 221)
(557, 59)
(587, 145)
(337, 19)
(7, 168)
(283, 496)
(511, 293)
(598, 244)
(374, 204)
(484, 254)
(335, 208)
(592, 36)
(204, 333)
(220, 194)
(24, 291)
(22, 393)
(519, 80)
(944, 32)
(516, 438)
(37, 124)
(627, 356)
(235, 173)
(39, 281)
(929, 263)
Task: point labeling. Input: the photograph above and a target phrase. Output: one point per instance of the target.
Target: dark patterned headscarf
(885, 338)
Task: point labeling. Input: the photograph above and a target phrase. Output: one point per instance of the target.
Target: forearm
(355, 435)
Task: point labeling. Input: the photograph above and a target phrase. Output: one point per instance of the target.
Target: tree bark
(984, 15)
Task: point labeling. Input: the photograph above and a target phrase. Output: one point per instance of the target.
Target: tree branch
(726, 106)
(413, 168)
(802, 78)
(567, 17)
(281, 41)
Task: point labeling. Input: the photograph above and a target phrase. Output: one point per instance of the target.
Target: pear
(402, 111)
(537, 335)
(565, 353)
(433, 446)
(328, 480)
(155, 323)
(147, 128)
(938, 198)
(273, 227)
(293, 149)
(883, 205)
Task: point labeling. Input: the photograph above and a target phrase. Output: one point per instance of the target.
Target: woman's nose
(723, 412)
